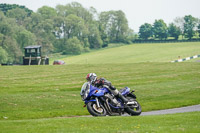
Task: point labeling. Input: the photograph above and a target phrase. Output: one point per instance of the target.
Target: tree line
(73, 29)
(187, 26)
(67, 29)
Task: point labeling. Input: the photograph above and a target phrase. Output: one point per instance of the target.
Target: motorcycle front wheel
(134, 109)
(94, 110)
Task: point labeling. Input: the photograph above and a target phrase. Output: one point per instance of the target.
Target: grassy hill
(135, 53)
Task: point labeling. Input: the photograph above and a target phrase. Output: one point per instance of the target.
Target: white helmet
(91, 77)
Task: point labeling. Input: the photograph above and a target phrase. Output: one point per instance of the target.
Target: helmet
(91, 77)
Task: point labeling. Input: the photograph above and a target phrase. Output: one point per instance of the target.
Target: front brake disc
(100, 110)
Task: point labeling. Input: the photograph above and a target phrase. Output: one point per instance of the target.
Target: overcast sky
(137, 12)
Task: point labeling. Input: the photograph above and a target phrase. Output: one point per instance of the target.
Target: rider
(92, 78)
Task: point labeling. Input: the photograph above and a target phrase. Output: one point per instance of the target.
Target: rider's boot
(118, 94)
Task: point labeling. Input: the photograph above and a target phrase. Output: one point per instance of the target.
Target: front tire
(135, 109)
(94, 110)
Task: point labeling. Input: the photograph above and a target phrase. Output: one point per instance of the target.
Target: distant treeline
(73, 29)
(5, 7)
(187, 27)
(165, 41)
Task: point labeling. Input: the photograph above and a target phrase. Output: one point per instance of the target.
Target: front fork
(106, 105)
(97, 101)
(94, 100)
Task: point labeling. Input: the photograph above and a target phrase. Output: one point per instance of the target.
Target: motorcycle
(101, 102)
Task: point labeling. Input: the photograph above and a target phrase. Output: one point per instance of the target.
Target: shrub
(73, 46)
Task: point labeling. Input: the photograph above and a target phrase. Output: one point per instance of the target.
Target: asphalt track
(174, 110)
(192, 108)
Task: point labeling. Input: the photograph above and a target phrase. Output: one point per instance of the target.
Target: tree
(47, 12)
(94, 36)
(1, 39)
(45, 36)
(145, 31)
(198, 29)
(74, 26)
(61, 11)
(58, 26)
(94, 13)
(13, 50)
(19, 14)
(78, 10)
(174, 31)
(121, 27)
(8, 30)
(25, 38)
(3, 56)
(104, 36)
(131, 36)
(189, 25)
(32, 22)
(73, 46)
(115, 25)
(6, 7)
(5, 28)
(160, 29)
(2, 17)
(179, 22)
(75, 21)
(42, 25)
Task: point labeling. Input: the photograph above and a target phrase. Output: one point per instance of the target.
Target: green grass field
(49, 91)
(174, 123)
(31, 97)
(135, 53)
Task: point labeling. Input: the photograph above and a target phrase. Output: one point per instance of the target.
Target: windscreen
(84, 87)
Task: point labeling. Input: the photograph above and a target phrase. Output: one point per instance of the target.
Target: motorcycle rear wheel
(131, 109)
(94, 110)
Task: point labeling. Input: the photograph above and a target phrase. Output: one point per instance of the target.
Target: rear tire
(133, 109)
(94, 110)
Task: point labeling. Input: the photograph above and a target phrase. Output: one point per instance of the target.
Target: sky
(137, 12)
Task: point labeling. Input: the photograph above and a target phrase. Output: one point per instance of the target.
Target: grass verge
(183, 122)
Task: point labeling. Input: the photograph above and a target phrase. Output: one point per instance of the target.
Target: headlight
(87, 91)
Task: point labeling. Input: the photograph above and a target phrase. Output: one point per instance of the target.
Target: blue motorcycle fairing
(92, 100)
(94, 91)
(125, 91)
